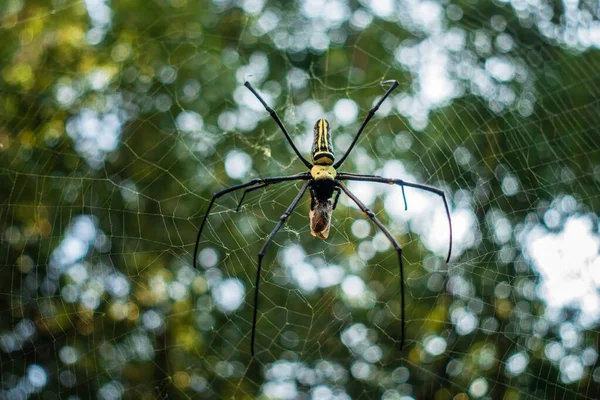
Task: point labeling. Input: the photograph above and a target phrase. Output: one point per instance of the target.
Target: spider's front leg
(394, 84)
(278, 121)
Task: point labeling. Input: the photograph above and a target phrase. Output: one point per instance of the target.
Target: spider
(323, 181)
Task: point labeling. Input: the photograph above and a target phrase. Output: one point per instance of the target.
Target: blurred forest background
(120, 119)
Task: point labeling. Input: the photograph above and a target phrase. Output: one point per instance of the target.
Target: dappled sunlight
(568, 262)
(121, 120)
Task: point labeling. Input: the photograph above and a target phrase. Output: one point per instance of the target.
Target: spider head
(322, 148)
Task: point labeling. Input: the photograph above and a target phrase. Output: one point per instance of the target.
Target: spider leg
(251, 189)
(372, 112)
(396, 245)
(373, 178)
(337, 197)
(278, 121)
(258, 181)
(313, 196)
(284, 217)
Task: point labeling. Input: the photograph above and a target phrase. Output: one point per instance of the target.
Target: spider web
(119, 122)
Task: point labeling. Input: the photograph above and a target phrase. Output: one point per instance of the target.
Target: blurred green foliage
(103, 184)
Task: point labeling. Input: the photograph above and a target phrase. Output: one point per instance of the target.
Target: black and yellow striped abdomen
(322, 149)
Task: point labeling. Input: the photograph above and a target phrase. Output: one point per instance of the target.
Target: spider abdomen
(320, 218)
(322, 150)
(321, 206)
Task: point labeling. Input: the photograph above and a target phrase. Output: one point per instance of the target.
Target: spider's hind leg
(284, 217)
(394, 243)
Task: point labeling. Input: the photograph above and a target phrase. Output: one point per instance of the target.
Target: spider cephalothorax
(323, 181)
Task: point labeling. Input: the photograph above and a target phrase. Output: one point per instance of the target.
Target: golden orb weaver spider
(322, 180)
